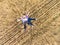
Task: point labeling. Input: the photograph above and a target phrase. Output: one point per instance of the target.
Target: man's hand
(18, 20)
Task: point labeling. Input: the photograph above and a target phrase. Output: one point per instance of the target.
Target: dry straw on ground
(46, 30)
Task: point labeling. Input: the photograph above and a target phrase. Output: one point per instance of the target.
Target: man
(26, 20)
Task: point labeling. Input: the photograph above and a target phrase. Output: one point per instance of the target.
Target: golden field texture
(47, 26)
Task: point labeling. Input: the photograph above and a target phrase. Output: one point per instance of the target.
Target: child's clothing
(24, 19)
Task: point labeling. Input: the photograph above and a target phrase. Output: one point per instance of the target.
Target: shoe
(36, 19)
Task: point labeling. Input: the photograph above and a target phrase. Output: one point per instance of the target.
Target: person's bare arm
(19, 19)
(27, 15)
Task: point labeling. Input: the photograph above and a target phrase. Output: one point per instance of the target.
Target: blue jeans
(28, 22)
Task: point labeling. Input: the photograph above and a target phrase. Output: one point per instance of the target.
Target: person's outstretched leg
(30, 23)
(32, 18)
(24, 26)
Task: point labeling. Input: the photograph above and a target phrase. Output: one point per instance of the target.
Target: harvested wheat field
(47, 27)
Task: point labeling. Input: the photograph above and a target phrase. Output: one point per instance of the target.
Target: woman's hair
(24, 13)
